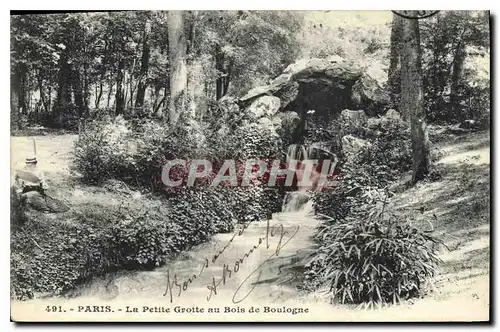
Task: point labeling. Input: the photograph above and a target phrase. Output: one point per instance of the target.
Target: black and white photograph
(250, 166)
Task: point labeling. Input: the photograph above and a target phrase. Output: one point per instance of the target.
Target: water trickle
(297, 201)
(297, 152)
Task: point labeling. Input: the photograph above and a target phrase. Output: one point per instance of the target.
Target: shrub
(202, 211)
(156, 144)
(253, 140)
(54, 257)
(141, 241)
(102, 151)
(386, 157)
(357, 175)
(374, 257)
(133, 151)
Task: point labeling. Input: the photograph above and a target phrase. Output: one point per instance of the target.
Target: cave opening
(321, 99)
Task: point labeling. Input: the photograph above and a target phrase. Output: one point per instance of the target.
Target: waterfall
(297, 152)
(297, 201)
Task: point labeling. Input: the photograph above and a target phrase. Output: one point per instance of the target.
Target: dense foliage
(66, 67)
(367, 253)
(455, 65)
(373, 256)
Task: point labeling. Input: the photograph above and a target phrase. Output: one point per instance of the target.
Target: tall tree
(177, 59)
(78, 91)
(412, 101)
(143, 76)
(63, 89)
(456, 75)
(223, 68)
(394, 66)
(14, 100)
(120, 96)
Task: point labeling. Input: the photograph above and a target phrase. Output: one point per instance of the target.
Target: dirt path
(462, 287)
(53, 153)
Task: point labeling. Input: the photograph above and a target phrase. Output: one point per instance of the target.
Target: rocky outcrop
(351, 146)
(363, 91)
(393, 114)
(265, 106)
(353, 117)
(368, 95)
(321, 88)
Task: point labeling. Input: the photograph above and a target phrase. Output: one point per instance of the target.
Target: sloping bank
(53, 253)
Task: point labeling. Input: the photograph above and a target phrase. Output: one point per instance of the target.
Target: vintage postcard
(250, 166)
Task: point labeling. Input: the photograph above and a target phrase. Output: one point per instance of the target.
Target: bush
(142, 241)
(202, 211)
(374, 166)
(374, 256)
(156, 144)
(389, 153)
(53, 257)
(102, 151)
(253, 140)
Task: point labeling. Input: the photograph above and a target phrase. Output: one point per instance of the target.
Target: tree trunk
(42, 93)
(223, 68)
(49, 96)
(110, 91)
(103, 73)
(394, 66)
(15, 87)
(194, 69)
(141, 90)
(63, 92)
(156, 96)
(130, 88)
(77, 87)
(120, 98)
(458, 64)
(412, 103)
(86, 88)
(177, 60)
(99, 94)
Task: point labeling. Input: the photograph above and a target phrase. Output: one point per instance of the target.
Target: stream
(260, 264)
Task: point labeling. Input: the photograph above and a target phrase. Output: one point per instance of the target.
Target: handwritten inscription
(176, 287)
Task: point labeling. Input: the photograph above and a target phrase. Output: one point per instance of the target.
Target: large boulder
(393, 115)
(355, 116)
(340, 71)
(289, 122)
(352, 122)
(367, 94)
(288, 94)
(265, 106)
(351, 145)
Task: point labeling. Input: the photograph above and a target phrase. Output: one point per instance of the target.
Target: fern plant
(375, 256)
